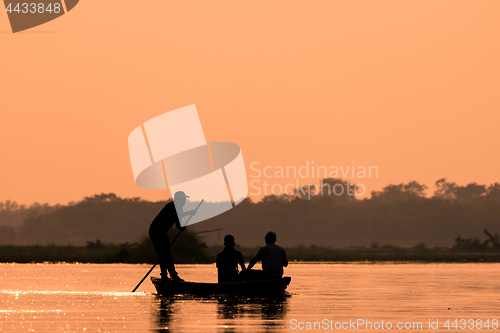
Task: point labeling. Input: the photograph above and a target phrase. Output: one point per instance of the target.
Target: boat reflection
(236, 313)
(222, 314)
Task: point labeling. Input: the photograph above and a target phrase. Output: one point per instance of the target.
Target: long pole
(158, 260)
(156, 263)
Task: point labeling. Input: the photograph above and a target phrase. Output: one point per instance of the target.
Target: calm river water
(97, 298)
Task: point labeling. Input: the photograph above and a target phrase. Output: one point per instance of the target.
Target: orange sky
(409, 86)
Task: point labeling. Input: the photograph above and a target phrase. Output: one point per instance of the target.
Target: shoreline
(313, 254)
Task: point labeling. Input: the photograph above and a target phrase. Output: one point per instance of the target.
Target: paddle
(158, 260)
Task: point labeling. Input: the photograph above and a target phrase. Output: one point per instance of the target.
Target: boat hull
(250, 288)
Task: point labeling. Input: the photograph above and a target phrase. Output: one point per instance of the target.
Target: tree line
(398, 214)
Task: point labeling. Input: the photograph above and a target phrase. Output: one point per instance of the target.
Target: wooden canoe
(248, 288)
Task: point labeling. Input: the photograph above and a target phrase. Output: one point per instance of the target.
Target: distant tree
(402, 192)
(11, 206)
(100, 198)
(493, 192)
(338, 190)
(416, 189)
(306, 191)
(445, 190)
(471, 192)
(271, 199)
(13, 214)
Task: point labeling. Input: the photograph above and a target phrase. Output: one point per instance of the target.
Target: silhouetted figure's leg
(168, 261)
(162, 247)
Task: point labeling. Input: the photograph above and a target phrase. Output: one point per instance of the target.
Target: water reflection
(233, 314)
(165, 313)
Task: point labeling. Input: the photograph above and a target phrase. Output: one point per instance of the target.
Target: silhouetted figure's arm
(217, 261)
(178, 225)
(241, 262)
(252, 263)
(188, 213)
(182, 215)
(258, 257)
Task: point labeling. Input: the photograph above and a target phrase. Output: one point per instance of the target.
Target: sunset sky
(412, 87)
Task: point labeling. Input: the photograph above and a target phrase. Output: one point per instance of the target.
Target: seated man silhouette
(228, 260)
(158, 232)
(273, 259)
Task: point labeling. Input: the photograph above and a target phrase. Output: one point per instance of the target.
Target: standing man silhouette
(158, 232)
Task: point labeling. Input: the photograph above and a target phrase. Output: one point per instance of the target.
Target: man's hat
(180, 194)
